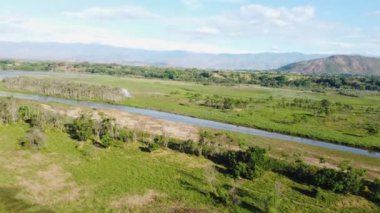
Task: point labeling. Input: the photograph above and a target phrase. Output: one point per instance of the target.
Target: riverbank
(340, 127)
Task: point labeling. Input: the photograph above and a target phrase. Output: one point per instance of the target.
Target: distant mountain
(337, 64)
(110, 54)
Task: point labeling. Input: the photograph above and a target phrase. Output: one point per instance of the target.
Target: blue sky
(233, 26)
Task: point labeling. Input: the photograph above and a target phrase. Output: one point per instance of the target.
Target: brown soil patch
(316, 162)
(71, 112)
(134, 121)
(133, 201)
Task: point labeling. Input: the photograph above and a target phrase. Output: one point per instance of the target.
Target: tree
(106, 140)
(24, 113)
(375, 188)
(248, 164)
(341, 181)
(325, 105)
(8, 111)
(82, 128)
(107, 126)
(371, 129)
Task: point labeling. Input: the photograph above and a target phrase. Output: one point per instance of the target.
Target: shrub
(24, 113)
(247, 164)
(153, 147)
(341, 181)
(82, 128)
(371, 129)
(375, 188)
(34, 139)
(106, 140)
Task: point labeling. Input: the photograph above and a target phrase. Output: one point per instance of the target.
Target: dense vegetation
(268, 79)
(64, 89)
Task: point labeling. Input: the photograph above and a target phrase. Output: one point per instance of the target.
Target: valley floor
(290, 111)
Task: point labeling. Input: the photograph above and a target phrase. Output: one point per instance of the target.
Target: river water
(185, 119)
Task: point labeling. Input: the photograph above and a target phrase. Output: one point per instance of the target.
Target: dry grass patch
(42, 181)
(50, 186)
(21, 162)
(354, 202)
(135, 201)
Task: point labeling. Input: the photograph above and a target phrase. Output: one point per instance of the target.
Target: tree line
(70, 90)
(268, 79)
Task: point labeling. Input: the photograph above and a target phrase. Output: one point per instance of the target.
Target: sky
(212, 26)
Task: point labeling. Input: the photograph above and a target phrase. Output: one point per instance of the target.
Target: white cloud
(376, 13)
(249, 28)
(195, 4)
(276, 16)
(9, 24)
(192, 4)
(126, 12)
(39, 31)
(255, 28)
(207, 31)
(257, 20)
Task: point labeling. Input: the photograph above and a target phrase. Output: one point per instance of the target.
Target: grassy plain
(280, 149)
(67, 176)
(344, 127)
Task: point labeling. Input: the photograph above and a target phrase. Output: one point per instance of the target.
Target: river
(186, 119)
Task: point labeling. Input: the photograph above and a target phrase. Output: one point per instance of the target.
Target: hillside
(338, 64)
(111, 54)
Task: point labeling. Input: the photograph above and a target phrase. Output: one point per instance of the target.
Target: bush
(82, 128)
(106, 140)
(247, 164)
(375, 188)
(342, 181)
(33, 139)
(153, 147)
(24, 113)
(371, 129)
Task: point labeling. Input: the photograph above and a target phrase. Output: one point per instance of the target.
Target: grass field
(67, 176)
(340, 127)
(280, 149)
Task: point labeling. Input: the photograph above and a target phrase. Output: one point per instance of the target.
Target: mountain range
(111, 54)
(283, 62)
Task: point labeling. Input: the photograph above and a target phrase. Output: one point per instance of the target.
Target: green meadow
(350, 119)
(68, 176)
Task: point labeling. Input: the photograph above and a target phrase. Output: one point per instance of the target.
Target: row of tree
(70, 90)
(268, 79)
(220, 102)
